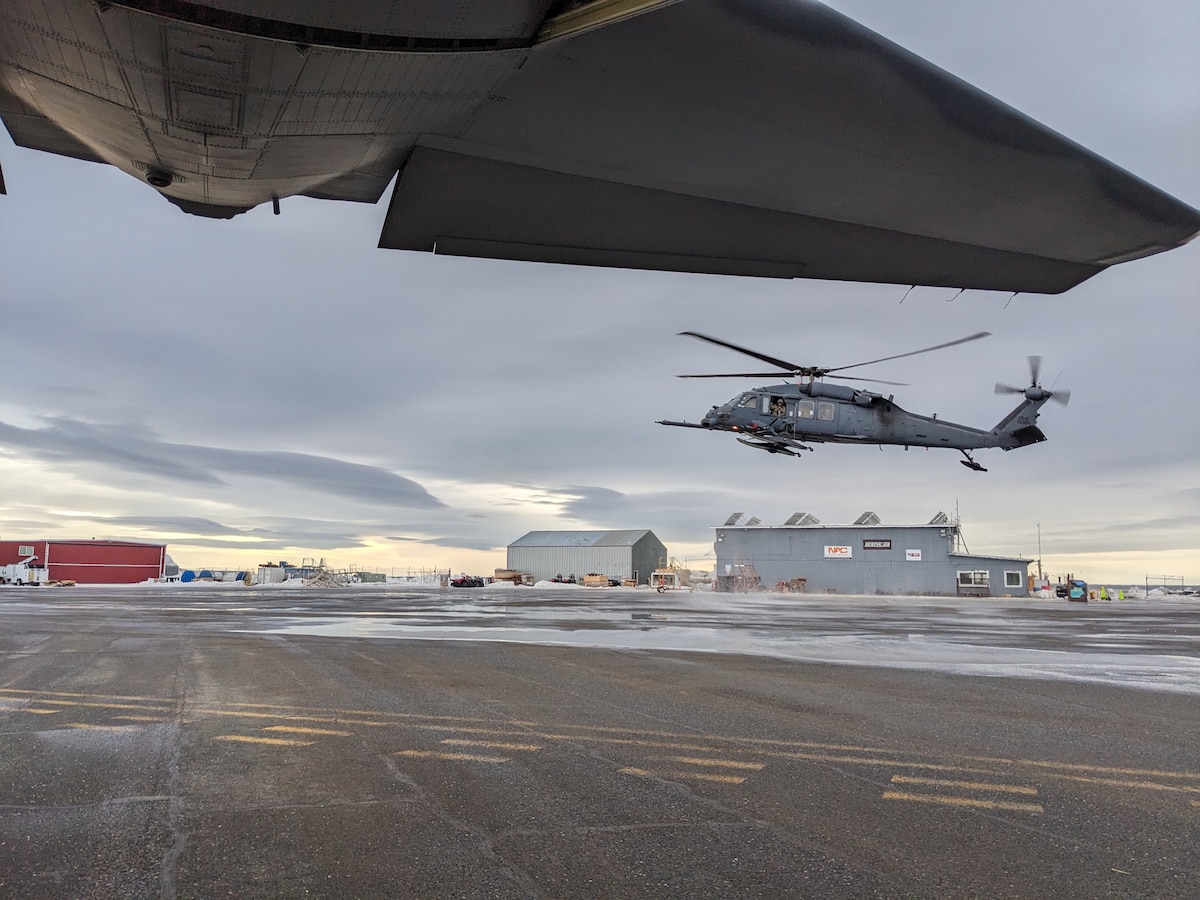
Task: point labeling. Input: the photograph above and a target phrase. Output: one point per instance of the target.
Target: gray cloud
(136, 450)
(454, 543)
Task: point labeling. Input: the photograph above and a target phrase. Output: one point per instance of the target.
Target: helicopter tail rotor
(1035, 391)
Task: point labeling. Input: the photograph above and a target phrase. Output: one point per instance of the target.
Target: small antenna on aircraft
(956, 296)
(1010, 299)
(906, 293)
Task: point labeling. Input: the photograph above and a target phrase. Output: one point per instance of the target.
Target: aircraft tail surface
(1019, 427)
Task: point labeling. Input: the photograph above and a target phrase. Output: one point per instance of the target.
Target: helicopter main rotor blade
(873, 380)
(1035, 366)
(788, 374)
(963, 340)
(770, 360)
(1008, 389)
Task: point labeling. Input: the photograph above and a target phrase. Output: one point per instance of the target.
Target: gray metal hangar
(867, 557)
(617, 554)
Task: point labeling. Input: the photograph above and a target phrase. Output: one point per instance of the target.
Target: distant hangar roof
(582, 538)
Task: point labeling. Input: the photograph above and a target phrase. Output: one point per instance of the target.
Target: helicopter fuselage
(783, 418)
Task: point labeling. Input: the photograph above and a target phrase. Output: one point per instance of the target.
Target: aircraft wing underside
(771, 139)
(755, 137)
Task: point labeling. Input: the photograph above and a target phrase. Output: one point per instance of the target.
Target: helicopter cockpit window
(805, 409)
(748, 401)
(825, 412)
(778, 406)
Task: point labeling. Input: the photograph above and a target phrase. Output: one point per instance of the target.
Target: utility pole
(1041, 580)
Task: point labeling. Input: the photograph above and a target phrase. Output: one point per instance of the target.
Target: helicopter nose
(716, 416)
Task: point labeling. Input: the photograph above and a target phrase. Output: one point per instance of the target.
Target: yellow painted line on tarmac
(1094, 770)
(718, 763)
(76, 694)
(681, 776)
(708, 776)
(878, 761)
(491, 745)
(970, 802)
(296, 729)
(278, 708)
(1138, 785)
(40, 712)
(274, 742)
(967, 785)
(464, 757)
(77, 704)
(722, 740)
(140, 718)
(238, 714)
(327, 720)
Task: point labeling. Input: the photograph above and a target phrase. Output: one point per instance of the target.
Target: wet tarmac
(217, 741)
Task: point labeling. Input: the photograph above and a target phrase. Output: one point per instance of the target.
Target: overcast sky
(275, 387)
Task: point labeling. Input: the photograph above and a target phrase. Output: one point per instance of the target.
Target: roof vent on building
(940, 519)
(733, 519)
(752, 521)
(867, 518)
(802, 519)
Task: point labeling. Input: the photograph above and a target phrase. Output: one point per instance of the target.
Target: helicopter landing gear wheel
(970, 463)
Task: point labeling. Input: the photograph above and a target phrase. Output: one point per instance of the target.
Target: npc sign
(842, 552)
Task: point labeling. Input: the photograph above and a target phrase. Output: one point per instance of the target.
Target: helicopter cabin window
(805, 409)
(748, 401)
(777, 406)
(825, 412)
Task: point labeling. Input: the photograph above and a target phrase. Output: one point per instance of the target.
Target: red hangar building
(90, 562)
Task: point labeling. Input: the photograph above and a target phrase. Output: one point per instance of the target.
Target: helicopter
(785, 418)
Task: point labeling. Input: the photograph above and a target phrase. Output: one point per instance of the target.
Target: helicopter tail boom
(1019, 427)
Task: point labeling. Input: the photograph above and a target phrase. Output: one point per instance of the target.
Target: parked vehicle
(24, 572)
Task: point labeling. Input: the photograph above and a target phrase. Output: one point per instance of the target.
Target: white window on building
(978, 578)
(1013, 579)
(25, 550)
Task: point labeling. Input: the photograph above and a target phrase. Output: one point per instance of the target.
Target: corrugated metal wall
(781, 554)
(621, 561)
(543, 563)
(648, 553)
(92, 562)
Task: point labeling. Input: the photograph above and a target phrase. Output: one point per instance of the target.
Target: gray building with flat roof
(867, 557)
(617, 554)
